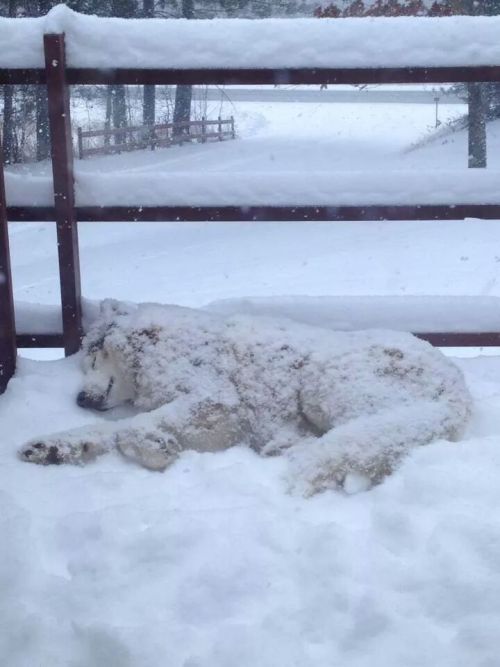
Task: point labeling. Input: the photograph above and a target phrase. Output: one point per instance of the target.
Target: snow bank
(321, 188)
(146, 43)
(349, 313)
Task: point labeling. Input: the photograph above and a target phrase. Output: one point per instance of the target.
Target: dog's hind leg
(372, 446)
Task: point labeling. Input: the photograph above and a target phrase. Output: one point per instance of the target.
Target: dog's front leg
(155, 439)
(76, 446)
(152, 439)
(138, 438)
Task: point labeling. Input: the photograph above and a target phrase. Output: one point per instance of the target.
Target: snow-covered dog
(337, 403)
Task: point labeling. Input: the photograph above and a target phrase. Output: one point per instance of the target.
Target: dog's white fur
(338, 403)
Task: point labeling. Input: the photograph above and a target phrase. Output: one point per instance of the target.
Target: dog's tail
(372, 446)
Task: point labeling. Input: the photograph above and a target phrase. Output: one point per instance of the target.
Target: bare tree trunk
(477, 126)
(124, 9)
(182, 108)
(42, 104)
(107, 122)
(149, 93)
(8, 125)
(42, 124)
(119, 112)
(477, 107)
(183, 94)
(8, 110)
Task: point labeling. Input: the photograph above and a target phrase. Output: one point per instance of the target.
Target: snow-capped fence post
(8, 350)
(64, 198)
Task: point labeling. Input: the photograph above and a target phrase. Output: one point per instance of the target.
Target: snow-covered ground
(212, 563)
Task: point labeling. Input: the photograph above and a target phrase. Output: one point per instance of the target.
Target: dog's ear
(109, 307)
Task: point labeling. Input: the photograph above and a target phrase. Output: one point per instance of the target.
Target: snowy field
(212, 563)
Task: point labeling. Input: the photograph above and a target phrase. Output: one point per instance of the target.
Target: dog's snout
(81, 399)
(85, 400)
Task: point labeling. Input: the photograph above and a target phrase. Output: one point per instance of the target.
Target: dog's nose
(85, 400)
(82, 399)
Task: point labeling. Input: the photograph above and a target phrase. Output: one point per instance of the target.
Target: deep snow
(212, 563)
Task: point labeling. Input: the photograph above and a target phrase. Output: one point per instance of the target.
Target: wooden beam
(260, 76)
(438, 339)
(64, 198)
(282, 76)
(311, 213)
(8, 350)
(462, 339)
(34, 340)
(285, 213)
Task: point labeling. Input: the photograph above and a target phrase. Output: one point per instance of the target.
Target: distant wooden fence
(122, 139)
(58, 77)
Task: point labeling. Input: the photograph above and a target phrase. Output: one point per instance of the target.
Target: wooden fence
(132, 138)
(57, 77)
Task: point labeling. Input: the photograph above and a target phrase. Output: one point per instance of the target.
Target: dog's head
(109, 380)
(107, 383)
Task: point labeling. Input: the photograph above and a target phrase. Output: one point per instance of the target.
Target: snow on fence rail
(112, 51)
(236, 44)
(155, 136)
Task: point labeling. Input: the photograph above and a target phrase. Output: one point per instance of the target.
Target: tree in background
(24, 105)
(9, 145)
(149, 94)
(183, 94)
(341, 9)
(204, 9)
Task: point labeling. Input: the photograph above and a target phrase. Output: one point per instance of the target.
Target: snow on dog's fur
(338, 404)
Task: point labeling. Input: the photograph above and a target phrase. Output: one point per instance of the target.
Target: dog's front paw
(54, 451)
(154, 450)
(40, 452)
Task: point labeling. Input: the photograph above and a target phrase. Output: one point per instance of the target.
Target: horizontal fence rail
(259, 76)
(66, 214)
(429, 213)
(438, 339)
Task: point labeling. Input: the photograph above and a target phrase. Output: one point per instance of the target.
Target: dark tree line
(343, 9)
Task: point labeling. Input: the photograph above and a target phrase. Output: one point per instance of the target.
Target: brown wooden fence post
(64, 197)
(8, 350)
